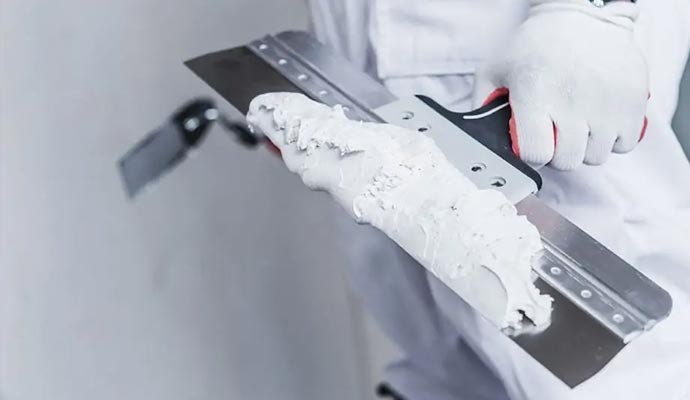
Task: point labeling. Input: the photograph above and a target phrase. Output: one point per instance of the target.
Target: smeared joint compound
(401, 183)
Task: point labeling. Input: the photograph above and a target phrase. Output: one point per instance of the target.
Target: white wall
(206, 287)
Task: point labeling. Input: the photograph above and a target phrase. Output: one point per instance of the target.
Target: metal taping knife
(601, 303)
(167, 146)
(164, 148)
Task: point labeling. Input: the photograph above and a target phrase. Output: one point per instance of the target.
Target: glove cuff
(621, 13)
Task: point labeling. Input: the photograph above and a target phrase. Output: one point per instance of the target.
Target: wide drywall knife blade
(601, 303)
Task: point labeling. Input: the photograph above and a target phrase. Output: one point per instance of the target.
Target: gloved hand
(578, 83)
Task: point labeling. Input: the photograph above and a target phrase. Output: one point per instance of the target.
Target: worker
(579, 74)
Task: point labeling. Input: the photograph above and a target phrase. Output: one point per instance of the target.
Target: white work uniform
(637, 204)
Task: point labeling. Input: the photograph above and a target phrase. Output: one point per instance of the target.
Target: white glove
(578, 83)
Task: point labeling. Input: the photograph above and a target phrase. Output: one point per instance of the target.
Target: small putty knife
(601, 303)
(164, 148)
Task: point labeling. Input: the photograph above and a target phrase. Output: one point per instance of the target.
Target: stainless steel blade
(601, 302)
(239, 75)
(165, 147)
(161, 150)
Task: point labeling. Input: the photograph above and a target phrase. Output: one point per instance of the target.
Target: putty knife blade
(166, 146)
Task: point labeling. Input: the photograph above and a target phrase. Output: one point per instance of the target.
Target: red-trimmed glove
(577, 81)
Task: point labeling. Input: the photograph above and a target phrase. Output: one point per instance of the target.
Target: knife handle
(241, 132)
(194, 118)
(489, 125)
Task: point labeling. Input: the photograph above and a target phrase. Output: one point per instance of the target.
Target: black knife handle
(492, 130)
(241, 132)
(194, 118)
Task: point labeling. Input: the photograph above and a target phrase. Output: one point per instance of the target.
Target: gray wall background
(224, 282)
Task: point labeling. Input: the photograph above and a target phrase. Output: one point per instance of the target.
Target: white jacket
(637, 204)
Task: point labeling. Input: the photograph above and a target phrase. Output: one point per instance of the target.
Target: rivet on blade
(498, 182)
(191, 123)
(407, 115)
(478, 167)
(211, 114)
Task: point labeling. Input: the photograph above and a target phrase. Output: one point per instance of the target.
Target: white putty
(401, 183)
